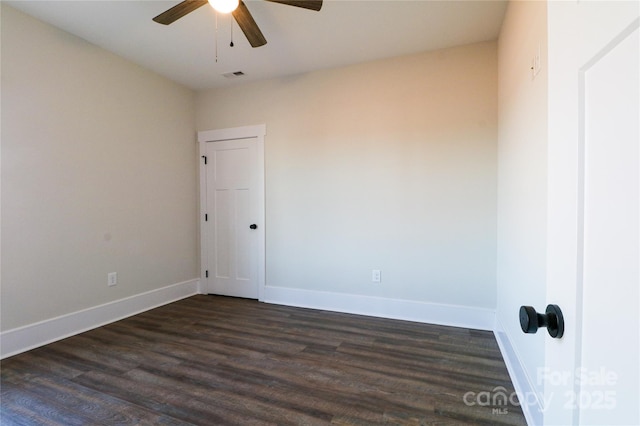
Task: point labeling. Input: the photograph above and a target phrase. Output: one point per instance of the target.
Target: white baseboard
(31, 336)
(530, 401)
(432, 313)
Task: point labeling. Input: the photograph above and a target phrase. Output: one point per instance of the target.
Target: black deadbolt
(552, 319)
(253, 226)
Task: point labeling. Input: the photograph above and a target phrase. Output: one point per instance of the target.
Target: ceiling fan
(239, 11)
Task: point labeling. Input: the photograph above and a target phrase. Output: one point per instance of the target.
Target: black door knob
(253, 226)
(552, 319)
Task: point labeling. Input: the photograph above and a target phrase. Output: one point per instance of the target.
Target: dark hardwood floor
(210, 360)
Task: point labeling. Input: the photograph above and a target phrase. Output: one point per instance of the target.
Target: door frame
(258, 132)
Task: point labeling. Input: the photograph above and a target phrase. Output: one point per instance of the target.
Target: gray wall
(98, 175)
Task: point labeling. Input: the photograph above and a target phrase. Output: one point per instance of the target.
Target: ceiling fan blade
(248, 25)
(306, 4)
(178, 11)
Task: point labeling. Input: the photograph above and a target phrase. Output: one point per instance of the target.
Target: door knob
(253, 226)
(552, 319)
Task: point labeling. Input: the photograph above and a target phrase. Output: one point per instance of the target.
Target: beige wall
(522, 177)
(98, 175)
(386, 165)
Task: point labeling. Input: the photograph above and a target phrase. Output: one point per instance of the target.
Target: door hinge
(206, 217)
(205, 159)
(206, 274)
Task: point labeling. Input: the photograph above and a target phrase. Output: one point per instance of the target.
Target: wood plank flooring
(210, 360)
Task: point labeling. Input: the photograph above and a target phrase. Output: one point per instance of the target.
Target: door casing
(258, 132)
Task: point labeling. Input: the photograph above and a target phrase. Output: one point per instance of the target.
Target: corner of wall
(522, 194)
(528, 397)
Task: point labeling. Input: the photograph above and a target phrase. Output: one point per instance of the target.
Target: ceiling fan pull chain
(231, 44)
(216, 37)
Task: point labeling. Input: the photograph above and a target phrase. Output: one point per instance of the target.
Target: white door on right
(593, 372)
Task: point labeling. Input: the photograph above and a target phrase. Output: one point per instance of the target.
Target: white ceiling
(344, 32)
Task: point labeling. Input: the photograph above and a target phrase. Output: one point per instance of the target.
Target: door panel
(610, 251)
(221, 234)
(243, 235)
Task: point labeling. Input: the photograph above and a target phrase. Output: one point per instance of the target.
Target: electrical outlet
(112, 279)
(375, 275)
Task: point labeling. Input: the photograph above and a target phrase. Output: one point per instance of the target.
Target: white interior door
(232, 201)
(593, 373)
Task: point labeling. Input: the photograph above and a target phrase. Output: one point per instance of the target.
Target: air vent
(234, 74)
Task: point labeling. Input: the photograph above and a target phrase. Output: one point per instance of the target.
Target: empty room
(320, 212)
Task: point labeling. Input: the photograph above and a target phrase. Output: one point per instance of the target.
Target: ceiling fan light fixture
(224, 6)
